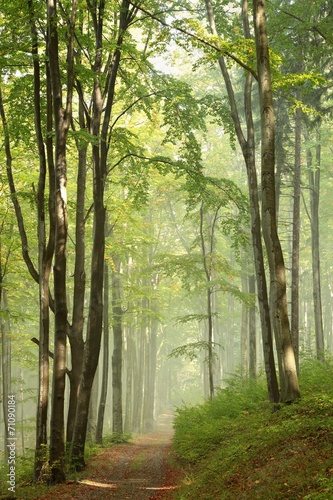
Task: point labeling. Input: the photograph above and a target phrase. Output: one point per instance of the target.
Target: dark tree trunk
(248, 149)
(279, 310)
(45, 251)
(94, 332)
(102, 102)
(62, 117)
(76, 330)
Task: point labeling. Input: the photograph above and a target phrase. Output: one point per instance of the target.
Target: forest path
(138, 470)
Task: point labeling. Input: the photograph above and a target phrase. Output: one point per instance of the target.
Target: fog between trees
(165, 210)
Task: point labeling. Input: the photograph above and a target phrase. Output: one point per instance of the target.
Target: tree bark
(117, 356)
(5, 357)
(252, 331)
(248, 149)
(314, 184)
(279, 311)
(102, 103)
(245, 332)
(45, 251)
(296, 233)
(62, 117)
(76, 331)
(105, 373)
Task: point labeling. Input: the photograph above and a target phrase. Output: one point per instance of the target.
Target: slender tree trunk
(45, 252)
(117, 356)
(245, 332)
(151, 348)
(62, 118)
(252, 331)
(209, 311)
(296, 234)
(76, 330)
(138, 370)
(129, 359)
(105, 373)
(248, 149)
(102, 103)
(314, 184)
(5, 359)
(279, 311)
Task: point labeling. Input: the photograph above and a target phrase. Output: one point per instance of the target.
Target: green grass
(237, 447)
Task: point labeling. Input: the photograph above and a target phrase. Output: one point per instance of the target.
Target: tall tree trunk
(149, 403)
(296, 233)
(279, 311)
(102, 102)
(314, 184)
(76, 330)
(245, 332)
(138, 369)
(105, 371)
(45, 252)
(129, 359)
(62, 117)
(248, 149)
(117, 356)
(5, 361)
(210, 291)
(252, 331)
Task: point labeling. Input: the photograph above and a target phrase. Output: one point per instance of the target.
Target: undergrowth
(239, 447)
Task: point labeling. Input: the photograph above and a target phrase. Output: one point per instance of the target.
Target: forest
(165, 215)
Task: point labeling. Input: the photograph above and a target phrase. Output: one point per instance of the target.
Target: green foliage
(237, 447)
(190, 351)
(116, 438)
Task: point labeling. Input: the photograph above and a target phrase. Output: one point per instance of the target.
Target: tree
(102, 104)
(62, 120)
(105, 372)
(247, 144)
(278, 301)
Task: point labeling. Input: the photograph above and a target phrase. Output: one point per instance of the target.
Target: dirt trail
(138, 470)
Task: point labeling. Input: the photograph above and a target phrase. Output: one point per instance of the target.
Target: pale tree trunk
(5, 358)
(129, 359)
(314, 184)
(206, 259)
(248, 149)
(252, 331)
(151, 348)
(279, 310)
(296, 233)
(105, 370)
(245, 332)
(138, 371)
(117, 355)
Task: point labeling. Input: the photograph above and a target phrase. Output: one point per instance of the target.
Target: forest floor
(139, 470)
